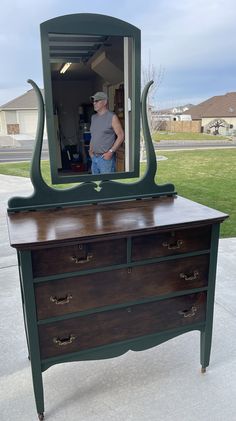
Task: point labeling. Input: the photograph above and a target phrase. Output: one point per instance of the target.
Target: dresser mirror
(84, 54)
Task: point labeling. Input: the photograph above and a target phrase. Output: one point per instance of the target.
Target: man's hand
(107, 155)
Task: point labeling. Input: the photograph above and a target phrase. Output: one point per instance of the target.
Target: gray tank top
(102, 133)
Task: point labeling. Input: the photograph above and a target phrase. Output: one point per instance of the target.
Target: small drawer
(59, 297)
(108, 327)
(171, 243)
(77, 257)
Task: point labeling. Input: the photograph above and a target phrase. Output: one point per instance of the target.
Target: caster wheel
(41, 416)
(203, 370)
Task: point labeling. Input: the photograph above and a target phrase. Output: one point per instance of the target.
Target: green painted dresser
(99, 280)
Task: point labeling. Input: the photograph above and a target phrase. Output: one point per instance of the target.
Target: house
(20, 115)
(217, 114)
(174, 120)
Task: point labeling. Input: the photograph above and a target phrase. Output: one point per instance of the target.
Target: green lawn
(206, 176)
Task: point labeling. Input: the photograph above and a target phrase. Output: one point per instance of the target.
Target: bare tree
(216, 124)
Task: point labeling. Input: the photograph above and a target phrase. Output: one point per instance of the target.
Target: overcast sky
(192, 42)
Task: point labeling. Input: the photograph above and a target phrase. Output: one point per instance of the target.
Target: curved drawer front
(80, 293)
(99, 329)
(80, 256)
(171, 243)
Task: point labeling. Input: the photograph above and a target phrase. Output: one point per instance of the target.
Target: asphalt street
(19, 148)
(19, 154)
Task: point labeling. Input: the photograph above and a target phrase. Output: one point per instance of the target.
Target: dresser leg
(205, 349)
(32, 332)
(23, 308)
(38, 391)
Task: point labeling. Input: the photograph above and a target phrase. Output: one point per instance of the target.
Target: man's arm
(91, 153)
(116, 125)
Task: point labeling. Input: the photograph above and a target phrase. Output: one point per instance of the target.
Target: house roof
(217, 106)
(26, 101)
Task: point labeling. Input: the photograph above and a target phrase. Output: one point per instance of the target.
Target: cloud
(191, 32)
(194, 42)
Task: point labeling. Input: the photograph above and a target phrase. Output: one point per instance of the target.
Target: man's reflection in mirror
(107, 135)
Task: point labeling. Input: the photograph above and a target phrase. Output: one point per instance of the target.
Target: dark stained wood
(34, 229)
(122, 324)
(171, 243)
(120, 286)
(78, 257)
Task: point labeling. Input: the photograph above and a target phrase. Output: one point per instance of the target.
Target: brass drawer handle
(173, 245)
(64, 341)
(187, 277)
(188, 313)
(61, 300)
(80, 260)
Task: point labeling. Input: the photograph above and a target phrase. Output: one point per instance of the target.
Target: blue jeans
(103, 166)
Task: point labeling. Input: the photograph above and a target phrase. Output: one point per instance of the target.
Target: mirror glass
(76, 66)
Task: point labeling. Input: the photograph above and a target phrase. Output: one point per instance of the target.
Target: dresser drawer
(107, 327)
(80, 293)
(171, 243)
(77, 257)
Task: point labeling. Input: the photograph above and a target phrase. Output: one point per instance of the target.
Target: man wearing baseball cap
(99, 96)
(106, 135)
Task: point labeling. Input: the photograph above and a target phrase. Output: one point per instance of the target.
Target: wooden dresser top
(38, 228)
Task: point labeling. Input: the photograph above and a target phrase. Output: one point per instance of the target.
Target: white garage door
(28, 122)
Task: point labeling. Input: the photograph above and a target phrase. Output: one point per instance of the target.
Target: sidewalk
(215, 142)
(160, 384)
(195, 144)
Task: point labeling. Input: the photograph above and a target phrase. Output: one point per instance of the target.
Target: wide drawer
(108, 327)
(171, 243)
(77, 257)
(80, 293)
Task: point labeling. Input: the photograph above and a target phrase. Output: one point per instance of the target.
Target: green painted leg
(23, 308)
(32, 333)
(206, 334)
(26, 333)
(205, 350)
(38, 389)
